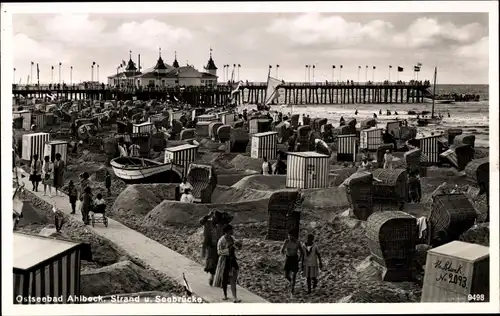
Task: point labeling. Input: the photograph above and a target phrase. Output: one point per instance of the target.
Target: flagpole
(97, 73)
(31, 73)
(52, 75)
(359, 68)
(373, 75)
(60, 64)
(366, 74)
(14, 78)
(389, 73)
(92, 73)
(397, 75)
(305, 75)
(314, 79)
(341, 73)
(239, 72)
(333, 74)
(71, 75)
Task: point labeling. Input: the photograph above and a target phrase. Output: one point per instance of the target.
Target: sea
(471, 117)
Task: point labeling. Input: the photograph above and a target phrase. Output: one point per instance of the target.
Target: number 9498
(476, 297)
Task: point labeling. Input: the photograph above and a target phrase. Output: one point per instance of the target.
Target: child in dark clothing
(73, 196)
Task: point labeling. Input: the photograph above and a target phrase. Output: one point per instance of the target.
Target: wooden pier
(252, 93)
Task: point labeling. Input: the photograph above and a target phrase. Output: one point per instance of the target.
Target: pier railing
(220, 85)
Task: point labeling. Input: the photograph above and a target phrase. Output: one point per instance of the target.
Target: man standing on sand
(292, 249)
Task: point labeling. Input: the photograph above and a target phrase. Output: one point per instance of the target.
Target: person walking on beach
(87, 203)
(58, 217)
(293, 251)
(84, 182)
(46, 176)
(73, 196)
(311, 263)
(212, 232)
(414, 187)
(59, 167)
(266, 167)
(227, 266)
(108, 182)
(388, 159)
(187, 196)
(36, 168)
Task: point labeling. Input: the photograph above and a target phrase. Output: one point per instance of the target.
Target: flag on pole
(277, 66)
(52, 67)
(314, 66)
(366, 66)
(270, 66)
(333, 66)
(93, 63)
(359, 67)
(416, 68)
(390, 66)
(60, 63)
(239, 65)
(32, 63)
(341, 66)
(400, 69)
(374, 67)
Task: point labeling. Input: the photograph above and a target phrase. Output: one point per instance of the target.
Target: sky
(457, 43)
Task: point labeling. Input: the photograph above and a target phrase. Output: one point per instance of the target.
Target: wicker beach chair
(239, 140)
(359, 189)
(394, 186)
(212, 130)
(452, 133)
(203, 180)
(392, 240)
(302, 143)
(478, 171)
(282, 215)
(224, 133)
(465, 139)
(451, 215)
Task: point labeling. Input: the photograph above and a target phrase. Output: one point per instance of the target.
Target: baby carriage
(101, 217)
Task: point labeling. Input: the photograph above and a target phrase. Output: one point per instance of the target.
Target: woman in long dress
(227, 267)
(212, 232)
(84, 182)
(36, 169)
(46, 176)
(311, 263)
(59, 167)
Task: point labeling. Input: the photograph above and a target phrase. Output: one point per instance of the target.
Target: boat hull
(163, 173)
